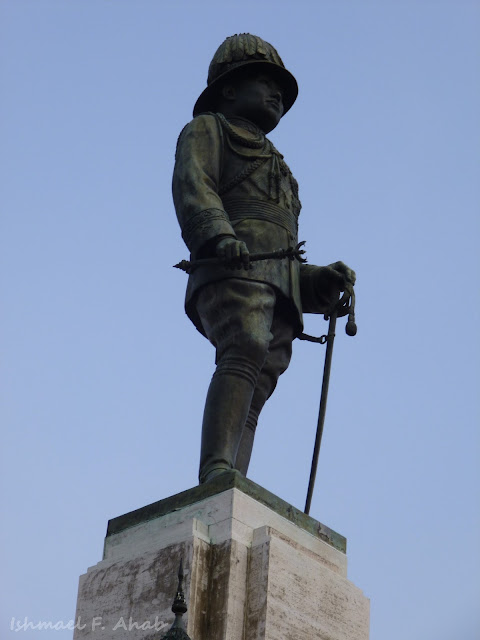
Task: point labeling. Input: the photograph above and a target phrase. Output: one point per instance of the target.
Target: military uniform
(230, 181)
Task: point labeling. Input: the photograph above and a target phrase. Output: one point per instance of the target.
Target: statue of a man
(235, 195)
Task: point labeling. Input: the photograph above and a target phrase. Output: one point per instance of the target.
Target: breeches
(252, 337)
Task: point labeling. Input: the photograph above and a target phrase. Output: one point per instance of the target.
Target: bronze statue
(235, 195)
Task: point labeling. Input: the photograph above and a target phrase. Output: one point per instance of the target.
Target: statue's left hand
(322, 286)
(348, 275)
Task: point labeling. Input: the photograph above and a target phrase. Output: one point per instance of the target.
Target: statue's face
(257, 98)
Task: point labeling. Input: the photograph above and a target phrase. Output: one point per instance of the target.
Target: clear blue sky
(103, 378)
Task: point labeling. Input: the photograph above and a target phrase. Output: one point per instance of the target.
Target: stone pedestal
(255, 568)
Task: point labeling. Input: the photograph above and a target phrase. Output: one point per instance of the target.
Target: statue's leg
(276, 362)
(236, 316)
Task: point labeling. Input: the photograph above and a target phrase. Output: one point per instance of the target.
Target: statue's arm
(320, 287)
(196, 178)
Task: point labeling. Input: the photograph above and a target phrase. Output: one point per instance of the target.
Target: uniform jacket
(229, 180)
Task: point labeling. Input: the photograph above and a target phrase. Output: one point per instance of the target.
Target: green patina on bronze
(238, 207)
(224, 482)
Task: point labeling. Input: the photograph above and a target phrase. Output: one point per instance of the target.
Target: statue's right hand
(233, 253)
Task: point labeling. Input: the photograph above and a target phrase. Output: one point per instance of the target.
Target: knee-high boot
(226, 410)
(277, 362)
(244, 452)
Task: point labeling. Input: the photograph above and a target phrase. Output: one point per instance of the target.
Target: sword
(292, 253)
(345, 305)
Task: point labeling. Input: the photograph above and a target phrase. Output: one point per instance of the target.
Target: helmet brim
(208, 98)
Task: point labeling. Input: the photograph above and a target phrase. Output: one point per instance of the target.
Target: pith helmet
(235, 53)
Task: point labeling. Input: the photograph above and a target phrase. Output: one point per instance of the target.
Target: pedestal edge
(224, 482)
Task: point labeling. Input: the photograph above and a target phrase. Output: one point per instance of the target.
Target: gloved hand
(320, 287)
(234, 253)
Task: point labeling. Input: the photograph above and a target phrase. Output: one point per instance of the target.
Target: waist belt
(261, 210)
